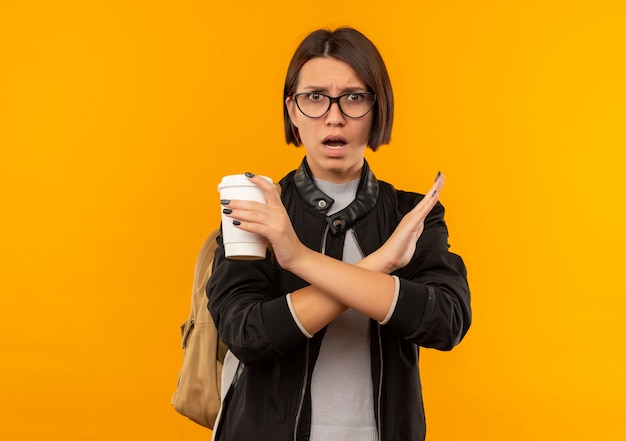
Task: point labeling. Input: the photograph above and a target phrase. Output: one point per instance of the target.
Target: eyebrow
(341, 92)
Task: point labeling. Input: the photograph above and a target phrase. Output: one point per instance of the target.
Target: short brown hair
(355, 49)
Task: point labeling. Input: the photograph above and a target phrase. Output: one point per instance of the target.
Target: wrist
(376, 262)
(299, 261)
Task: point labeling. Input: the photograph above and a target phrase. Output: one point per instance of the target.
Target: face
(335, 144)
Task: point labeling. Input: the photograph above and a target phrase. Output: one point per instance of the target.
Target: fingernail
(225, 201)
(227, 211)
(236, 222)
(250, 175)
(438, 175)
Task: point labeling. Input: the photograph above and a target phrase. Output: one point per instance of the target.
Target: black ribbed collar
(366, 195)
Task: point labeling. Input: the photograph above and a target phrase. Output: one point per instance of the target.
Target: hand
(397, 251)
(269, 220)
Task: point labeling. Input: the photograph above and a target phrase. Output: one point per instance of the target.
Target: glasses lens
(313, 105)
(353, 105)
(356, 105)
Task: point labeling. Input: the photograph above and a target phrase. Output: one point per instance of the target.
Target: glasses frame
(334, 99)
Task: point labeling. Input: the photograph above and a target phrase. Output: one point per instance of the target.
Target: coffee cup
(240, 244)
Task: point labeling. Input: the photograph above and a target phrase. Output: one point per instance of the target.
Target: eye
(355, 97)
(314, 97)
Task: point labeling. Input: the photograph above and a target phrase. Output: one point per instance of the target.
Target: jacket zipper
(324, 237)
(380, 386)
(358, 242)
(302, 392)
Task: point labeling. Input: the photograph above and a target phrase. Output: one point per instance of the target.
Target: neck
(339, 175)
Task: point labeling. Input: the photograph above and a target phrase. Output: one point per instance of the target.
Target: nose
(335, 116)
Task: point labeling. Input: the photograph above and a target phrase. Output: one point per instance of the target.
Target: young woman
(324, 334)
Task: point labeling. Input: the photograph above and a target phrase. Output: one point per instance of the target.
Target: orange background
(118, 118)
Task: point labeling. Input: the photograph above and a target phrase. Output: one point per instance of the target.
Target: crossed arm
(366, 286)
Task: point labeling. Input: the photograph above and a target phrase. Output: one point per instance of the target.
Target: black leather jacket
(270, 395)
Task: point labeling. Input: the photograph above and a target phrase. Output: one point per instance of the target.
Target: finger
(438, 185)
(269, 189)
(430, 198)
(250, 219)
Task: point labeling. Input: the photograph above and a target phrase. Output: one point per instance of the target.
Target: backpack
(198, 391)
(197, 394)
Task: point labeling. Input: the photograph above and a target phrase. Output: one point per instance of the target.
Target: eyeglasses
(352, 104)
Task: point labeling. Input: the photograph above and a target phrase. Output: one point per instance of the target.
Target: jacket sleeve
(252, 318)
(433, 306)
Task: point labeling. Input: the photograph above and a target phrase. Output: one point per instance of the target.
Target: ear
(292, 110)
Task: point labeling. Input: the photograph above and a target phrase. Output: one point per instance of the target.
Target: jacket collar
(366, 195)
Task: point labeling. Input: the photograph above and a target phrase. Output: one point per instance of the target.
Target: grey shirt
(341, 386)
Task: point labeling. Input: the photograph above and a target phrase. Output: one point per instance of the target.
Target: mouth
(334, 142)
